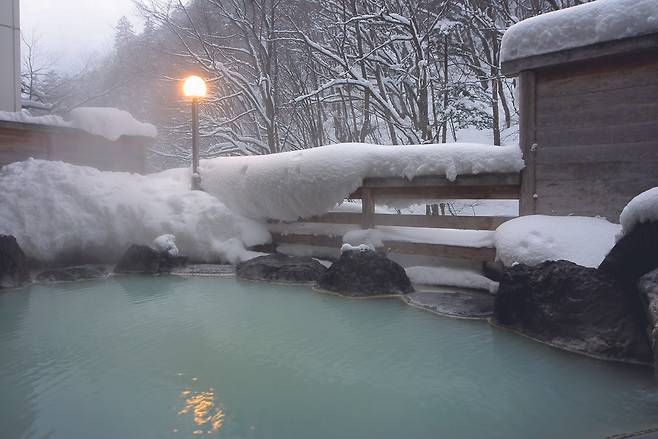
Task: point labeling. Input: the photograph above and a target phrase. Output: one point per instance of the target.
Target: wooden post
(367, 209)
(527, 141)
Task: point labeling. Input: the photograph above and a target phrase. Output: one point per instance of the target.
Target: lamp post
(195, 87)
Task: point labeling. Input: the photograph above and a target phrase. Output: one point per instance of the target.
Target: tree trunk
(446, 101)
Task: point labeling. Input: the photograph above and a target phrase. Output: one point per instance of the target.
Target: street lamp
(195, 87)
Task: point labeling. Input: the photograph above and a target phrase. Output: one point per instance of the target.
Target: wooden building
(20, 141)
(588, 126)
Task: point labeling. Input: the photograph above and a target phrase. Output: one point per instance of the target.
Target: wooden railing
(474, 187)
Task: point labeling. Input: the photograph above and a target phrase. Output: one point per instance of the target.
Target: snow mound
(166, 244)
(534, 239)
(451, 277)
(110, 123)
(25, 117)
(578, 26)
(290, 185)
(55, 210)
(641, 209)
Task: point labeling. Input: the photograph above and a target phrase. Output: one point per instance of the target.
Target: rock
(14, 270)
(648, 289)
(364, 273)
(142, 259)
(169, 262)
(278, 267)
(72, 274)
(577, 308)
(465, 304)
(493, 270)
(216, 270)
(635, 254)
(139, 259)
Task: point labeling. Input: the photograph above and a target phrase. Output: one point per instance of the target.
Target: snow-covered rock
(578, 26)
(534, 239)
(356, 248)
(641, 209)
(166, 244)
(295, 184)
(55, 209)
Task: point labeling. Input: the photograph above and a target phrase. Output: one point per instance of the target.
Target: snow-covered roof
(110, 123)
(579, 26)
(107, 122)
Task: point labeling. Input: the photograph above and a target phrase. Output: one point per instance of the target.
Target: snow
(56, 210)
(110, 123)
(375, 237)
(354, 235)
(641, 209)
(578, 26)
(290, 185)
(451, 277)
(166, 244)
(25, 117)
(357, 248)
(537, 238)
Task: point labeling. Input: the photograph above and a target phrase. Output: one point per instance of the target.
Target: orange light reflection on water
(207, 414)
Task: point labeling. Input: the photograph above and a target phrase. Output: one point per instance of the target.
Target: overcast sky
(73, 30)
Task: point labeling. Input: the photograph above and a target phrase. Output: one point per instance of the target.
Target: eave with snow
(106, 138)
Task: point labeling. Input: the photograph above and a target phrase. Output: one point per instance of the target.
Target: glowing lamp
(194, 87)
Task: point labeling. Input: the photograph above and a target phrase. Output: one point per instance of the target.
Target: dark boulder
(139, 259)
(72, 274)
(464, 304)
(648, 289)
(14, 270)
(577, 308)
(170, 262)
(363, 273)
(278, 267)
(635, 254)
(142, 259)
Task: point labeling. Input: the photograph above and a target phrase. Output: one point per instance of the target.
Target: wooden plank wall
(596, 129)
(19, 141)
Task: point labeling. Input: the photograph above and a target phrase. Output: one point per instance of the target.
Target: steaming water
(174, 358)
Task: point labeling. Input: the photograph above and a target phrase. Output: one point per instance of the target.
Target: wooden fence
(475, 187)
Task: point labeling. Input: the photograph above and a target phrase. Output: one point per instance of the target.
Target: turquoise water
(183, 357)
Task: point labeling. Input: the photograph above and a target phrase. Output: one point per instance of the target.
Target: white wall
(9, 56)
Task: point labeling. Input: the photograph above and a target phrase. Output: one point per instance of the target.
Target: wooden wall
(20, 141)
(595, 129)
